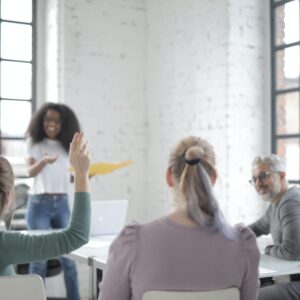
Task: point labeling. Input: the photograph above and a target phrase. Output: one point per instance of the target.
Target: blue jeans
(46, 211)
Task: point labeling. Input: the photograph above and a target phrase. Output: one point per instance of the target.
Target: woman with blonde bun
(192, 248)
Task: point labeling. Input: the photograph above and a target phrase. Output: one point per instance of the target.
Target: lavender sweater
(163, 255)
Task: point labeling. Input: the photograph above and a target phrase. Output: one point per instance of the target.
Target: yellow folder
(101, 168)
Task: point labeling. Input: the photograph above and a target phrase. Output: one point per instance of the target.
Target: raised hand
(79, 155)
(80, 160)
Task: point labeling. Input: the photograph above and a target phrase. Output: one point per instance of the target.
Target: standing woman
(49, 135)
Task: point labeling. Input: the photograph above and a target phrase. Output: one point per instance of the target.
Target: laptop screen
(108, 216)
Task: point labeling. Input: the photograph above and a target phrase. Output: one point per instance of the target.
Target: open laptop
(108, 216)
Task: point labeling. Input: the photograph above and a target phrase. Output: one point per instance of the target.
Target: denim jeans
(46, 211)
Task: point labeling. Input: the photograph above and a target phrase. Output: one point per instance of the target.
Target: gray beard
(271, 196)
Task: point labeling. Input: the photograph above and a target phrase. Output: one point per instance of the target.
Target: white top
(54, 178)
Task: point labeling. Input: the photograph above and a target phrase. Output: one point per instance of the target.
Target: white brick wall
(248, 103)
(206, 76)
(104, 81)
(186, 82)
(142, 74)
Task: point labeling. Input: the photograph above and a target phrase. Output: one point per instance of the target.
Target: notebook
(108, 216)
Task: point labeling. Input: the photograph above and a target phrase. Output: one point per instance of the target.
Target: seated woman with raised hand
(191, 249)
(16, 248)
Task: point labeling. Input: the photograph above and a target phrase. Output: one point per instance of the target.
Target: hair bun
(193, 155)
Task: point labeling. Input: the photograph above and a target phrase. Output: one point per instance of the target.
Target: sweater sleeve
(250, 283)
(116, 283)
(262, 225)
(289, 214)
(22, 248)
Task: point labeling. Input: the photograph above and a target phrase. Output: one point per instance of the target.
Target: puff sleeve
(250, 283)
(116, 283)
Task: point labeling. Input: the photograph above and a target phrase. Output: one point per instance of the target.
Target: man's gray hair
(276, 163)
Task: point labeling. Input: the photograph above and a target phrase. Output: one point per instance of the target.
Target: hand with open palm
(80, 160)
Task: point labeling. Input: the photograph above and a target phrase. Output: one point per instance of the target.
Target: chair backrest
(53, 268)
(224, 294)
(22, 287)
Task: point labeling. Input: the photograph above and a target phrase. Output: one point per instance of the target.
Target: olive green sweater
(17, 248)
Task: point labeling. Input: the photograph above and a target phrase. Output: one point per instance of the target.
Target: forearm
(286, 251)
(21, 248)
(254, 229)
(36, 167)
(258, 229)
(287, 245)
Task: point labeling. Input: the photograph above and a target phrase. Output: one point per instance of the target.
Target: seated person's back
(191, 249)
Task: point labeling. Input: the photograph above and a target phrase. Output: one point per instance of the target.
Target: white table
(98, 265)
(95, 253)
(268, 267)
(96, 250)
(271, 266)
(98, 246)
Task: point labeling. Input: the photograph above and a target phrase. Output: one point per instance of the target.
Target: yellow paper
(102, 168)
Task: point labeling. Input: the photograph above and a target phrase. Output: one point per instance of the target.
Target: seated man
(282, 220)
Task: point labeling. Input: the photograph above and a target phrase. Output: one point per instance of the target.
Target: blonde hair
(6, 185)
(192, 164)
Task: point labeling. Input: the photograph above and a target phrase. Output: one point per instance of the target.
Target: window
(17, 74)
(285, 45)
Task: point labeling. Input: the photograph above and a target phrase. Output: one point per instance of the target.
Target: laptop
(108, 216)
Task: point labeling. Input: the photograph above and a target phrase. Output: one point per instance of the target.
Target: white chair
(27, 287)
(224, 294)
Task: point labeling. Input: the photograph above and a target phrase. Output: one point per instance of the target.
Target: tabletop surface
(95, 253)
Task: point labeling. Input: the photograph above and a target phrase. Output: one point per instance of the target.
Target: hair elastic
(192, 161)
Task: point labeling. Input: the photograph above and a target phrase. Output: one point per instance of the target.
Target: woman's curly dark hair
(69, 124)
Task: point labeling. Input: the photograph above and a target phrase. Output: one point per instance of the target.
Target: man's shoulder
(290, 200)
(292, 194)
